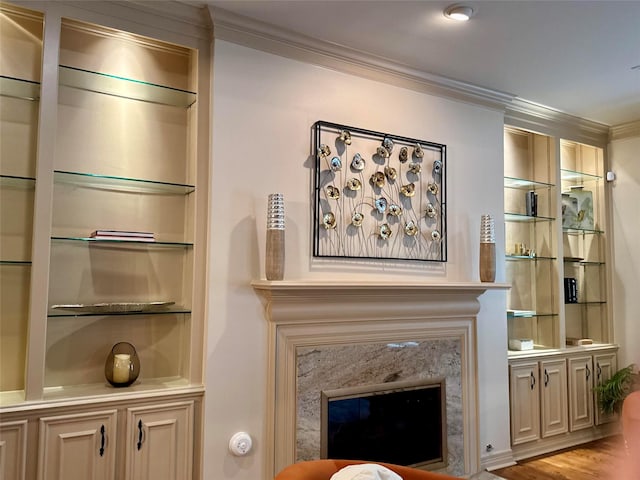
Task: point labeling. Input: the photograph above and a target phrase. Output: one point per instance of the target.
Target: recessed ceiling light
(462, 13)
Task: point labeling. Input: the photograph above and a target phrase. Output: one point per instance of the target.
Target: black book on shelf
(531, 201)
(570, 290)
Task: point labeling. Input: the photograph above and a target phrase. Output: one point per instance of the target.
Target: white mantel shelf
(307, 301)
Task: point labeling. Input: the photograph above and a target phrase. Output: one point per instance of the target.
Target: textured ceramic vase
(487, 249)
(274, 257)
(122, 366)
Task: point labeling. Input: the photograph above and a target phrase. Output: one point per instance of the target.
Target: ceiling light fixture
(461, 13)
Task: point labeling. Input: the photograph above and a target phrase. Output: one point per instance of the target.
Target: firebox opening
(397, 422)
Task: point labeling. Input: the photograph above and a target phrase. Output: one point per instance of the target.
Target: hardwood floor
(599, 460)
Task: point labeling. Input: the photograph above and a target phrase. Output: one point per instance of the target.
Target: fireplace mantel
(328, 314)
(307, 301)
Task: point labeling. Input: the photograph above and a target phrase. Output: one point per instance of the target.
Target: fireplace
(396, 422)
(327, 336)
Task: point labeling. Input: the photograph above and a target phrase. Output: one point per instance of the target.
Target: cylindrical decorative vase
(274, 255)
(487, 249)
(122, 366)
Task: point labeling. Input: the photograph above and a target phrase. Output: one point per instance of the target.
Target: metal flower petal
(390, 172)
(335, 164)
(332, 192)
(395, 210)
(324, 151)
(358, 162)
(408, 190)
(357, 219)
(383, 152)
(435, 235)
(431, 211)
(381, 204)
(354, 184)
(388, 144)
(418, 152)
(404, 154)
(377, 179)
(345, 137)
(433, 188)
(415, 168)
(384, 231)
(410, 228)
(437, 167)
(329, 221)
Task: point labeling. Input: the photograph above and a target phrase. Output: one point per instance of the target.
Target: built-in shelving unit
(559, 329)
(104, 202)
(531, 252)
(120, 152)
(21, 33)
(584, 242)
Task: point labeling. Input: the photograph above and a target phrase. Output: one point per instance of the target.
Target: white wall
(263, 108)
(625, 162)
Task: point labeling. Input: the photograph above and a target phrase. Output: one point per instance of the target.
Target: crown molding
(546, 120)
(625, 130)
(262, 36)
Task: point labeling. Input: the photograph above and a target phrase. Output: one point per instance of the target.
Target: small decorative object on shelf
(274, 256)
(487, 249)
(122, 366)
(123, 235)
(577, 209)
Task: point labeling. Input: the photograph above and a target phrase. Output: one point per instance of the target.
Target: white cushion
(365, 471)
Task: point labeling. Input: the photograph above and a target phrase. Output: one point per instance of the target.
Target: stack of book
(123, 235)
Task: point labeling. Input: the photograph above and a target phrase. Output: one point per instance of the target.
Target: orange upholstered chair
(631, 432)
(324, 469)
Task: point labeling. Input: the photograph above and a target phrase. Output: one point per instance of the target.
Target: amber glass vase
(122, 366)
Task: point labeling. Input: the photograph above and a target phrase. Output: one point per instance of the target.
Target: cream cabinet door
(78, 446)
(525, 403)
(13, 450)
(580, 393)
(553, 397)
(160, 442)
(605, 365)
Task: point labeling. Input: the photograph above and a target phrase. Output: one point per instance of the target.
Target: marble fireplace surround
(305, 316)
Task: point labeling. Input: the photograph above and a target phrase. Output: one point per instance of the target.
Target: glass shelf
(528, 314)
(578, 231)
(124, 184)
(527, 257)
(573, 176)
(18, 88)
(512, 182)
(124, 87)
(174, 309)
(521, 217)
(13, 181)
(600, 302)
(16, 262)
(581, 261)
(127, 243)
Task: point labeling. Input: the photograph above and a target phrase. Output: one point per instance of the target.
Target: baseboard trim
(560, 442)
(495, 460)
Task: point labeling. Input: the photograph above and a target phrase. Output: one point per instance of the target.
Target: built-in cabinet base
(553, 405)
(150, 437)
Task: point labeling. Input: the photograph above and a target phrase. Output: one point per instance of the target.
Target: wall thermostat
(240, 444)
